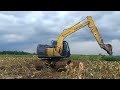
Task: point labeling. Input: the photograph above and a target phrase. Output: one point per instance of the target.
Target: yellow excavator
(60, 48)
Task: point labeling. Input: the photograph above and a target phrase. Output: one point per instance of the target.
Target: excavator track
(58, 66)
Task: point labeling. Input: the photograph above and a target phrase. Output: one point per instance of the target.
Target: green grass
(93, 57)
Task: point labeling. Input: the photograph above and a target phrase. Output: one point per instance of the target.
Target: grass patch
(93, 57)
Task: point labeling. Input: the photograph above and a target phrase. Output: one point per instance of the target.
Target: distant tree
(14, 53)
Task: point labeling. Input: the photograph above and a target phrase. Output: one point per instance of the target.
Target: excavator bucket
(108, 48)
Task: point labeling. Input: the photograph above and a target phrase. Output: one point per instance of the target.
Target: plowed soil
(28, 68)
(54, 73)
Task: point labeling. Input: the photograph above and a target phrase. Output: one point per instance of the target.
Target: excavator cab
(66, 50)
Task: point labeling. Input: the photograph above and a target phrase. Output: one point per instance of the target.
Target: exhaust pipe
(108, 48)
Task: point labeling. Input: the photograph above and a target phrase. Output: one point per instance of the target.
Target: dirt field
(28, 68)
(24, 67)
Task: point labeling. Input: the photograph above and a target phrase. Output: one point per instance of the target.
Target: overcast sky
(24, 30)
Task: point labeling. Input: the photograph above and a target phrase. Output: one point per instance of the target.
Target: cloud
(116, 44)
(86, 48)
(24, 30)
(13, 38)
(92, 47)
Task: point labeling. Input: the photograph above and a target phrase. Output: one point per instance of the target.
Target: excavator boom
(78, 26)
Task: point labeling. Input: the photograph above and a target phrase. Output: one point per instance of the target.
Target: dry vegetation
(23, 67)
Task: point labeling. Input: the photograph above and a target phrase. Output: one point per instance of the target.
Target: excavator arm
(95, 32)
(78, 26)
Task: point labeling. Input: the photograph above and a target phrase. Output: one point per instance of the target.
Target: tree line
(14, 53)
